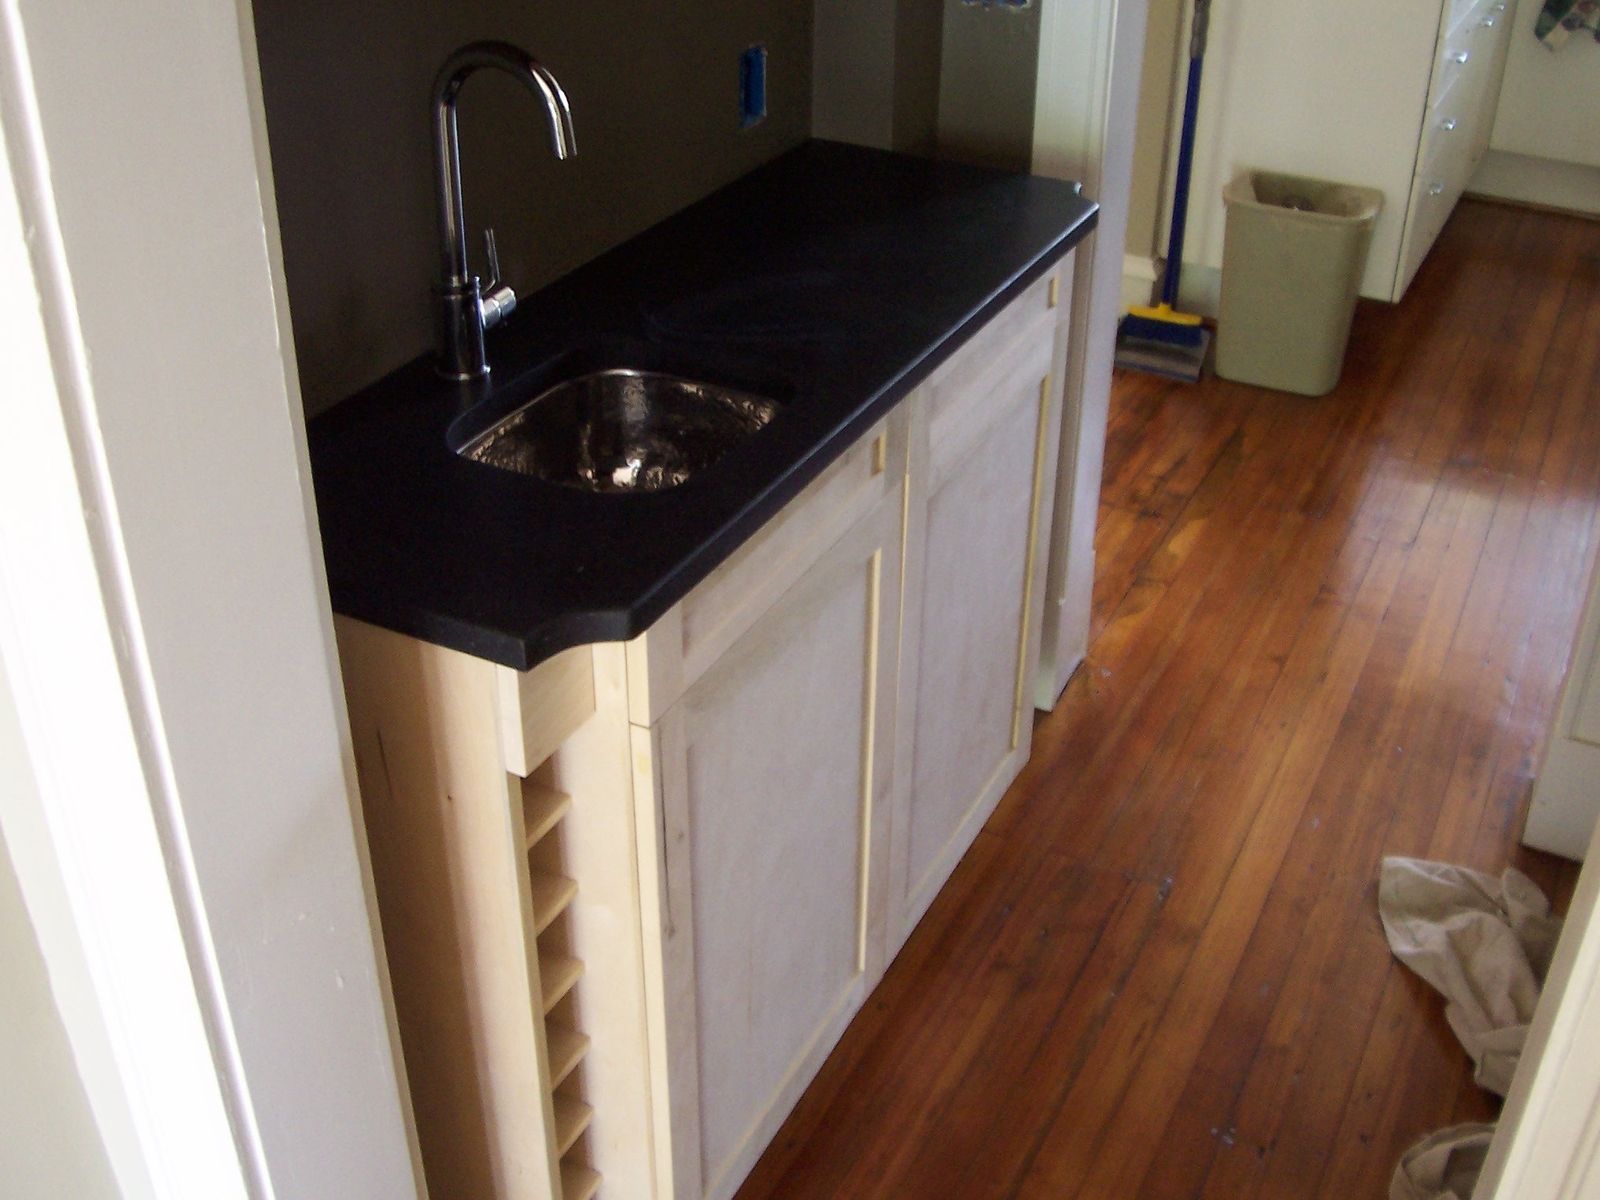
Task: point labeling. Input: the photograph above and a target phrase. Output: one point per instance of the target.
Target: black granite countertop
(834, 279)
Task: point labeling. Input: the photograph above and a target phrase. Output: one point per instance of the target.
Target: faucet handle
(499, 301)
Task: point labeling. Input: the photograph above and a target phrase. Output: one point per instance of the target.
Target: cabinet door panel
(774, 794)
(974, 594)
(977, 537)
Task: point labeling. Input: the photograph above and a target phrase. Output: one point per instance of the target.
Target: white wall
(1147, 232)
(164, 619)
(1547, 1142)
(988, 69)
(1269, 63)
(1549, 101)
(1565, 805)
(51, 1146)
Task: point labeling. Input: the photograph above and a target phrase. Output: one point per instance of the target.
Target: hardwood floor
(1325, 630)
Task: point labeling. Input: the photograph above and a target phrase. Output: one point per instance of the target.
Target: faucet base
(461, 323)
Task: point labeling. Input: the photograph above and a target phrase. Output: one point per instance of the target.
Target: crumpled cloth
(1560, 19)
(1483, 943)
(1442, 1166)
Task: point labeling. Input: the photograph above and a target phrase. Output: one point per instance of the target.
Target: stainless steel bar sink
(621, 430)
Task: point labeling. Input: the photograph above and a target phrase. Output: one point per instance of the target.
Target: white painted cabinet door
(774, 775)
(984, 443)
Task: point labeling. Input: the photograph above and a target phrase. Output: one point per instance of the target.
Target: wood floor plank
(1324, 630)
(1372, 777)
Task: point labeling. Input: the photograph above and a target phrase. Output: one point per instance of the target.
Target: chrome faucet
(466, 307)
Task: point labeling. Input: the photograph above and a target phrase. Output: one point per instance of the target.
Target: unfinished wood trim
(913, 540)
(961, 413)
(665, 661)
(953, 421)
(669, 931)
(539, 709)
(867, 869)
(990, 342)
(597, 842)
(1074, 509)
(1029, 624)
(444, 821)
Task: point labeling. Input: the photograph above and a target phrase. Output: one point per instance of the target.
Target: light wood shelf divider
(578, 1182)
(572, 1118)
(557, 972)
(551, 895)
(567, 1048)
(542, 808)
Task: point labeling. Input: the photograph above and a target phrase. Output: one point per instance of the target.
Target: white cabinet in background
(1398, 97)
(1457, 120)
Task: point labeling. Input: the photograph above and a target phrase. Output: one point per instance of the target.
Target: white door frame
(1086, 103)
(192, 859)
(1547, 1145)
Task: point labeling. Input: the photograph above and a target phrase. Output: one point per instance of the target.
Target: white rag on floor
(1484, 943)
(1443, 1165)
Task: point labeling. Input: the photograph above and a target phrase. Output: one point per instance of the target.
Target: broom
(1161, 339)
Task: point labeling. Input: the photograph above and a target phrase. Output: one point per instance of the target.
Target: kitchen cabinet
(1458, 117)
(763, 711)
(985, 444)
(633, 897)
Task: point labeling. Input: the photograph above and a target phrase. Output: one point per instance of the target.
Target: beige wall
(989, 68)
(919, 36)
(654, 91)
(1147, 236)
(50, 1147)
(875, 72)
(852, 61)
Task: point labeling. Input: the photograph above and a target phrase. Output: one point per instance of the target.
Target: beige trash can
(1291, 267)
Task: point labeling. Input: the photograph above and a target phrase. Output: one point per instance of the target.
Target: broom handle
(1180, 189)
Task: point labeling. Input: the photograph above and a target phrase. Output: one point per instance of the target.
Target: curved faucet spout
(463, 318)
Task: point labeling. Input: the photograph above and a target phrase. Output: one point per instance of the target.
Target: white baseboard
(1524, 179)
(1138, 280)
(1198, 291)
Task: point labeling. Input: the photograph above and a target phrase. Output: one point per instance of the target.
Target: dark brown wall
(989, 68)
(654, 92)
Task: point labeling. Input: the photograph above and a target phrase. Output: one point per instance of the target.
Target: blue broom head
(1171, 333)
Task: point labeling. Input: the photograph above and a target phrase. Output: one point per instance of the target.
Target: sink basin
(621, 430)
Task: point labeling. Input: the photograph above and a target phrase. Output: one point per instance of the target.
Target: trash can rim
(1240, 191)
